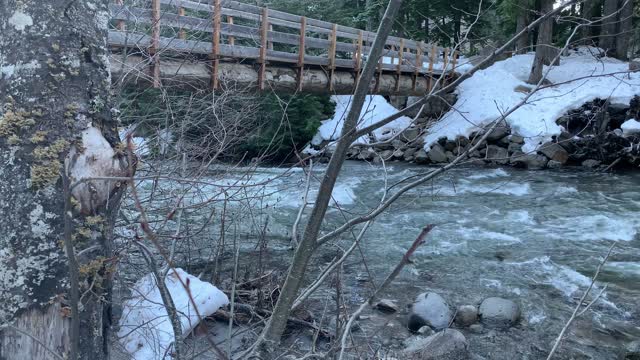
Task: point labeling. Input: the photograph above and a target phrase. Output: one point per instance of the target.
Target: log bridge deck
(203, 45)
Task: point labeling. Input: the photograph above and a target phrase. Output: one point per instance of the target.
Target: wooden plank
(155, 42)
(264, 27)
(301, 52)
(280, 18)
(179, 47)
(215, 44)
(432, 58)
(332, 55)
(205, 25)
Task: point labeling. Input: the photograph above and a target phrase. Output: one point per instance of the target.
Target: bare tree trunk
(543, 45)
(54, 92)
(522, 19)
(608, 32)
(589, 12)
(276, 325)
(625, 29)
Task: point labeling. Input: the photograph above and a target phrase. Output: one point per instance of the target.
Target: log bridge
(227, 44)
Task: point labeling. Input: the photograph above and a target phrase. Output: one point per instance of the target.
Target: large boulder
(449, 344)
(466, 315)
(516, 139)
(408, 154)
(421, 157)
(437, 154)
(591, 163)
(430, 309)
(410, 134)
(497, 154)
(554, 152)
(529, 161)
(499, 312)
(513, 147)
(499, 132)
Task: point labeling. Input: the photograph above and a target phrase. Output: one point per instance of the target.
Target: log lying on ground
(195, 75)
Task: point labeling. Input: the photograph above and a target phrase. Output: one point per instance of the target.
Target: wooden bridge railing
(228, 29)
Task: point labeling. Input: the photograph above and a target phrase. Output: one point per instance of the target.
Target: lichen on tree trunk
(54, 88)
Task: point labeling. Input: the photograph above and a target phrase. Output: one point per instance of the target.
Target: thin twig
(584, 296)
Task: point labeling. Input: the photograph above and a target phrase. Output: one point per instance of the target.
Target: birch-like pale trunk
(55, 114)
(275, 327)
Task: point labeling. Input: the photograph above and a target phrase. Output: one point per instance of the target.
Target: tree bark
(522, 19)
(608, 31)
(543, 46)
(275, 327)
(589, 12)
(55, 115)
(625, 29)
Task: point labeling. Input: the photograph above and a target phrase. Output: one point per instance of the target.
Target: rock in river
(499, 312)
(466, 315)
(430, 309)
(448, 344)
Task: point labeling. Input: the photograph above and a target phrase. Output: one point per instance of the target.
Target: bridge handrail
(401, 55)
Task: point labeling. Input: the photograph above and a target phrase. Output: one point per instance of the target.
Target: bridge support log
(196, 76)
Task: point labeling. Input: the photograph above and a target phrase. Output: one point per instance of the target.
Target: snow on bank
(375, 109)
(145, 328)
(630, 127)
(489, 92)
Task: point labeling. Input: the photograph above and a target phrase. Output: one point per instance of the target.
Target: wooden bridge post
(444, 67)
(215, 44)
(357, 60)
(155, 43)
(418, 66)
(376, 88)
(432, 58)
(454, 62)
(270, 43)
(262, 60)
(120, 25)
(332, 54)
(231, 38)
(181, 34)
(399, 67)
(301, 52)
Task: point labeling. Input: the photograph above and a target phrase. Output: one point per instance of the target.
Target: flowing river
(536, 237)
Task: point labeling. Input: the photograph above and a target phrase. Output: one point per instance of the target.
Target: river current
(536, 237)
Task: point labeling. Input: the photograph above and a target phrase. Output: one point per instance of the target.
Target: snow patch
(20, 20)
(375, 109)
(630, 127)
(489, 92)
(145, 328)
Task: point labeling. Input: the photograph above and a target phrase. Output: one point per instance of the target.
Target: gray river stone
(430, 309)
(499, 312)
(448, 344)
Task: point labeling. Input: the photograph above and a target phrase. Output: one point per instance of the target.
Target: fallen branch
(405, 259)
